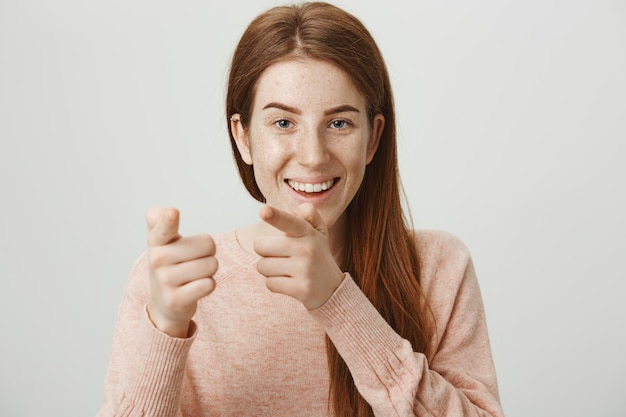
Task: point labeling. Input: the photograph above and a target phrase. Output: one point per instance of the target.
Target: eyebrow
(290, 109)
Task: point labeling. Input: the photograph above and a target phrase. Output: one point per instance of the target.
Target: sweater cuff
(159, 369)
(361, 335)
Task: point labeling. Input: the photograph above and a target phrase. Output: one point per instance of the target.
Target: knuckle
(260, 245)
(213, 265)
(158, 257)
(160, 279)
(261, 266)
(207, 287)
(208, 244)
(272, 285)
(166, 277)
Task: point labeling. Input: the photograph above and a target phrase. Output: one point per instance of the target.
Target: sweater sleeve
(147, 367)
(457, 380)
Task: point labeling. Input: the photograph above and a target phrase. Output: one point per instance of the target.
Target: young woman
(330, 305)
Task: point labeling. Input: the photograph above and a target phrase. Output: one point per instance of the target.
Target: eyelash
(279, 121)
(344, 122)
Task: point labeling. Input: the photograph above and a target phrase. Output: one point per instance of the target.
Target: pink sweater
(256, 353)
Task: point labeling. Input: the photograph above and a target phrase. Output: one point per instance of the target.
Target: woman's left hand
(299, 263)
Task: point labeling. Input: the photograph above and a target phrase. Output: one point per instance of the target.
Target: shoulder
(448, 279)
(435, 246)
(445, 262)
(138, 282)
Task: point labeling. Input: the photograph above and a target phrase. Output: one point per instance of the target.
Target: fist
(299, 263)
(181, 271)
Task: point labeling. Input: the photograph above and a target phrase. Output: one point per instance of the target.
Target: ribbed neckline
(231, 245)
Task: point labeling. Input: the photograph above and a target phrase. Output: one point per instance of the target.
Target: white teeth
(311, 188)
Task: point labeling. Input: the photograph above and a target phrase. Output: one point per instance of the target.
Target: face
(309, 138)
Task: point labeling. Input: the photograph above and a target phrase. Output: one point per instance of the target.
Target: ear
(377, 131)
(240, 134)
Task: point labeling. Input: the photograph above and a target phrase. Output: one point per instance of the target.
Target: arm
(146, 369)
(154, 331)
(458, 380)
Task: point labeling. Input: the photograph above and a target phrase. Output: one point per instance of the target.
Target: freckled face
(309, 138)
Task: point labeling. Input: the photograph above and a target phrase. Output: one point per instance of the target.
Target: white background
(512, 122)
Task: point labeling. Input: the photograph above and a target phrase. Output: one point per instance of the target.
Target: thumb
(162, 225)
(309, 213)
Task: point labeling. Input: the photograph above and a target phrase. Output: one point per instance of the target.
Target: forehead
(307, 83)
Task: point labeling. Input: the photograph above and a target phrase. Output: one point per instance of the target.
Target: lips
(306, 187)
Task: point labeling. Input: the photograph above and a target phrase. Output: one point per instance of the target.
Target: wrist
(178, 329)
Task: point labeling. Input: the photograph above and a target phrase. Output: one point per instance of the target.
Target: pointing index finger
(283, 221)
(162, 225)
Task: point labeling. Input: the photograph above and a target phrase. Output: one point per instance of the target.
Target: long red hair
(380, 250)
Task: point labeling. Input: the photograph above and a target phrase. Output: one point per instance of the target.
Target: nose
(312, 149)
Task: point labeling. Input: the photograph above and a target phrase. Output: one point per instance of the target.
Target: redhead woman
(330, 305)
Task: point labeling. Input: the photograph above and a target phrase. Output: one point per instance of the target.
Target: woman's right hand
(181, 272)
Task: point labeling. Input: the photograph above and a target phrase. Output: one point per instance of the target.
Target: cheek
(267, 155)
(267, 159)
(356, 156)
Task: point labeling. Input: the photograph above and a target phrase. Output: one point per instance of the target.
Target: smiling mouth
(311, 187)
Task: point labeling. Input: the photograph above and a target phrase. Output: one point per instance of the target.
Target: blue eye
(283, 124)
(338, 124)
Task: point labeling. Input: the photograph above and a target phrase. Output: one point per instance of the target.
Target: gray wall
(512, 121)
